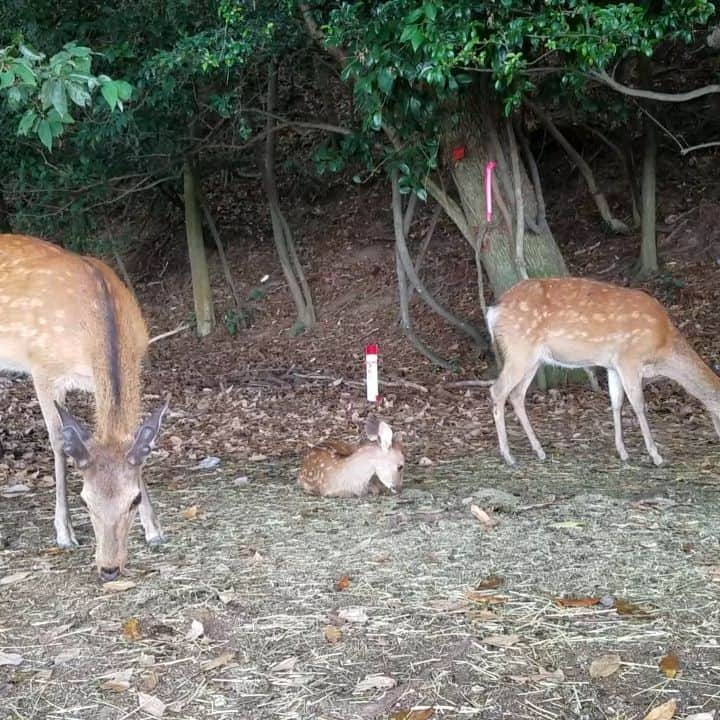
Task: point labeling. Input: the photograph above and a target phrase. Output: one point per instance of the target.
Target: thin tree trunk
(406, 322)
(625, 157)
(600, 200)
(282, 237)
(210, 220)
(5, 225)
(648, 243)
(122, 269)
(422, 290)
(202, 292)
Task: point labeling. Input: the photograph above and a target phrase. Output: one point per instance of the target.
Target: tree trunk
(5, 225)
(477, 132)
(202, 292)
(282, 236)
(648, 246)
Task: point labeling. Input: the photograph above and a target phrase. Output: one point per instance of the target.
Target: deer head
(112, 489)
(388, 463)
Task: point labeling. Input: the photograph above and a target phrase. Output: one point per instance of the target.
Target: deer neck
(352, 474)
(689, 370)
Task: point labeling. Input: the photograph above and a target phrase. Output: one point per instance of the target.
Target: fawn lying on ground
(336, 469)
(70, 323)
(575, 322)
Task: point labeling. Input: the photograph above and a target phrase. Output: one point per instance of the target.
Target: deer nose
(107, 574)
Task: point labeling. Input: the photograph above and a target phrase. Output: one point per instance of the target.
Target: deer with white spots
(579, 323)
(337, 469)
(70, 323)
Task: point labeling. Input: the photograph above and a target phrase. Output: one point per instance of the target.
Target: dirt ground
(266, 603)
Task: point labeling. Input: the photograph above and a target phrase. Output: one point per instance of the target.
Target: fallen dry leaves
(190, 513)
(14, 578)
(486, 519)
(420, 714)
(576, 602)
(490, 583)
(151, 704)
(217, 662)
(342, 583)
(605, 666)
(669, 665)
(625, 607)
(118, 586)
(332, 634)
(500, 640)
(10, 658)
(375, 682)
(131, 629)
(196, 630)
(663, 712)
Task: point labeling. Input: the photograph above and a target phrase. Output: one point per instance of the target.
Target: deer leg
(617, 395)
(633, 389)
(513, 373)
(148, 518)
(517, 398)
(46, 394)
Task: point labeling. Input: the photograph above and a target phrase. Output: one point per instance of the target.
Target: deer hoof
(65, 538)
(156, 540)
(657, 459)
(540, 453)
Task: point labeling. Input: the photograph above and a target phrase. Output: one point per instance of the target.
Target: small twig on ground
(169, 333)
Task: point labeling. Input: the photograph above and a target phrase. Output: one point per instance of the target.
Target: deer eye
(400, 467)
(136, 500)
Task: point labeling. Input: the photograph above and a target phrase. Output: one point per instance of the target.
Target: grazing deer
(336, 469)
(574, 322)
(70, 323)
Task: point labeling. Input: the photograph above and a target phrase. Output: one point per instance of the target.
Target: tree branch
(603, 77)
(519, 204)
(584, 168)
(317, 35)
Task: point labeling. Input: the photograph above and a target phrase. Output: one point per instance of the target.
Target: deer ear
(385, 436)
(146, 436)
(75, 436)
(372, 427)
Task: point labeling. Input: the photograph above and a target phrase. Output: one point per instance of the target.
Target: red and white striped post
(371, 372)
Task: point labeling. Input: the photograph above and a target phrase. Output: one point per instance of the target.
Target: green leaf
(77, 50)
(26, 122)
(110, 93)
(376, 121)
(422, 194)
(124, 90)
(45, 134)
(58, 97)
(417, 38)
(385, 80)
(7, 78)
(30, 54)
(24, 72)
(430, 11)
(78, 94)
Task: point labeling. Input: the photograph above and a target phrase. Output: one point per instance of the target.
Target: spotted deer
(575, 323)
(337, 469)
(70, 323)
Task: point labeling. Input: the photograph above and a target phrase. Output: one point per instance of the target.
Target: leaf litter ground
(568, 596)
(266, 603)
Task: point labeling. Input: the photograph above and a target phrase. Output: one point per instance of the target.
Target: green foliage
(48, 92)
(190, 69)
(411, 63)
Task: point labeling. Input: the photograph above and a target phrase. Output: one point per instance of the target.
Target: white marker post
(371, 372)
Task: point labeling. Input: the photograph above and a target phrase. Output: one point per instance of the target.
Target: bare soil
(382, 607)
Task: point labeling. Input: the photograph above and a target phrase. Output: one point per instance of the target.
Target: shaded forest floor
(268, 604)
